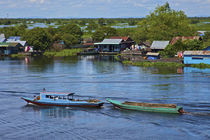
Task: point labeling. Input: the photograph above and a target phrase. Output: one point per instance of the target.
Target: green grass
(201, 65)
(116, 57)
(164, 64)
(151, 64)
(63, 53)
(19, 55)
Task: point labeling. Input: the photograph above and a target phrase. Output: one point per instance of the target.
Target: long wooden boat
(61, 99)
(149, 107)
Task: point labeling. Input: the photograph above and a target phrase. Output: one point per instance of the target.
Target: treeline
(61, 21)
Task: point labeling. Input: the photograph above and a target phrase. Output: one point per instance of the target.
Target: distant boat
(61, 99)
(149, 107)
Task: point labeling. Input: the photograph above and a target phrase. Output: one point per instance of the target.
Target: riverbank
(164, 64)
(63, 53)
(150, 64)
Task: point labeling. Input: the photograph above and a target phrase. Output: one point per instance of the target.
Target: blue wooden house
(196, 57)
(207, 48)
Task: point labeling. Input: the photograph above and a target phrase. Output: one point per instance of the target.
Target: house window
(197, 58)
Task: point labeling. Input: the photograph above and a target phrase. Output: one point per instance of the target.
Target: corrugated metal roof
(152, 54)
(2, 36)
(196, 52)
(9, 44)
(109, 41)
(2, 39)
(23, 43)
(159, 44)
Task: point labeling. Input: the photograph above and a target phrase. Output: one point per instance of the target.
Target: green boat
(149, 107)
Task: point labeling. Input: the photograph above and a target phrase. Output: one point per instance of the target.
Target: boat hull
(118, 104)
(70, 104)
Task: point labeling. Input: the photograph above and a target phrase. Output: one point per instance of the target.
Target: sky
(97, 8)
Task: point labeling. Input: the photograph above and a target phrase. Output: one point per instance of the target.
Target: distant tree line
(163, 23)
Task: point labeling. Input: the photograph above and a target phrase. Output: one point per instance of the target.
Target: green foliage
(69, 39)
(206, 40)
(117, 57)
(72, 29)
(206, 37)
(151, 64)
(132, 22)
(91, 26)
(104, 32)
(163, 24)
(13, 31)
(19, 55)
(201, 65)
(39, 38)
(98, 35)
(63, 53)
(101, 21)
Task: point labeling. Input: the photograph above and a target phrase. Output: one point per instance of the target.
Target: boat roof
(58, 93)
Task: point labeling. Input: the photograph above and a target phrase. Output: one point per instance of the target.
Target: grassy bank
(65, 52)
(19, 55)
(156, 64)
(201, 65)
(165, 64)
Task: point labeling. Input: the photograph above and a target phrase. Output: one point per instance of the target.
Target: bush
(65, 52)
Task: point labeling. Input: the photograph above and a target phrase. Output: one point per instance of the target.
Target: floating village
(116, 45)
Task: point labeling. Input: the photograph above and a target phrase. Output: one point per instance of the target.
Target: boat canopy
(58, 93)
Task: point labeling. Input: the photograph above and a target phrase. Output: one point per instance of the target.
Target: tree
(109, 31)
(92, 26)
(72, 29)
(104, 32)
(101, 21)
(98, 35)
(206, 40)
(69, 39)
(165, 23)
(39, 38)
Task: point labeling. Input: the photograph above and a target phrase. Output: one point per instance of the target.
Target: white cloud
(99, 8)
(37, 1)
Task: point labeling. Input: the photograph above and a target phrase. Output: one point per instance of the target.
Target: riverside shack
(10, 48)
(196, 57)
(114, 44)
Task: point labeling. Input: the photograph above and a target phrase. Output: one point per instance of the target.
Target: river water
(102, 77)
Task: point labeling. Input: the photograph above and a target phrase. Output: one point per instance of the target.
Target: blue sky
(96, 8)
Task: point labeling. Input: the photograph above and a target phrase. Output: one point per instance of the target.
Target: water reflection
(163, 70)
(196, 70)
(39, 64)
(49, 112)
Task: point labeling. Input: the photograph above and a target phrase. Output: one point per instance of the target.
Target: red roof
(183, 38)
(124, 38)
